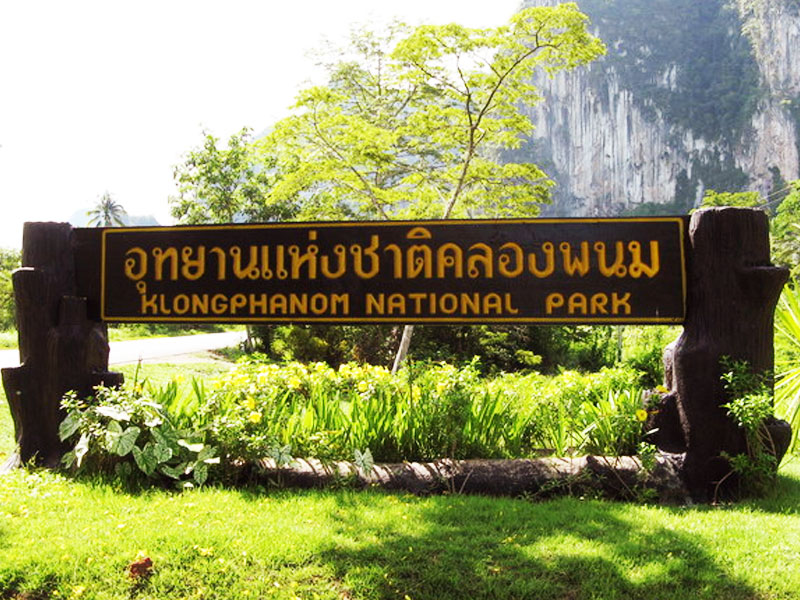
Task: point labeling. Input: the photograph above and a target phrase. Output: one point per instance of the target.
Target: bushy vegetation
(506, 348)
(9, 260)
(751, 407)
(716, 78)
(426, 411)
(787, 338)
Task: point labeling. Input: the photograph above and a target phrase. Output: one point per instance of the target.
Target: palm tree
(107, 212)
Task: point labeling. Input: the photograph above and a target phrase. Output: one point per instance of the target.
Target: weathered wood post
(60, 348)
(732, 292)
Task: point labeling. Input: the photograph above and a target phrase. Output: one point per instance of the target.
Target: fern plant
(787, 386)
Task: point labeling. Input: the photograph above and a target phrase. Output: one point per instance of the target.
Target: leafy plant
(9, 260)
(613, 424)
(787, 386)
(426, 411)
(121, 429)
(751, 404)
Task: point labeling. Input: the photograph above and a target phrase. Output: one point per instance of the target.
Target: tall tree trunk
(402, 350)
(408, 330)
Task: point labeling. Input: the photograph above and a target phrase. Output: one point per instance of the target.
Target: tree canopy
(9, 260)
(411, 123)
(226, 184)
(785, 230)
(784, 220)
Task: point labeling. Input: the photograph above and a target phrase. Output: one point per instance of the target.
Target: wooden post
(60, 349)
(732, 293)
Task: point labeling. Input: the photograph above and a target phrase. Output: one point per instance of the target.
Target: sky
(108, 96)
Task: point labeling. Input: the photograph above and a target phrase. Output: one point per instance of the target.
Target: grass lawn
(70, 539)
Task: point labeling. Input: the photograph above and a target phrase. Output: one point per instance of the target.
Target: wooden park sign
(712, 273)
(510, 271)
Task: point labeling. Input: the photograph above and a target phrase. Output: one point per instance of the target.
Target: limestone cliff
(691, 95)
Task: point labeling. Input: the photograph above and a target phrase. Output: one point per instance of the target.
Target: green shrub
(750, 406)
(426, 411)
(613, 424)
(500, 347)
(787, 338)
(126, 432)
(9, 260)
(556, 409)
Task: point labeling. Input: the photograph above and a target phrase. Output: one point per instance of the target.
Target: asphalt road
(152, 349)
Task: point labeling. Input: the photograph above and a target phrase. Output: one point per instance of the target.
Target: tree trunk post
(402, 350)
(731, 297)
(60, 348)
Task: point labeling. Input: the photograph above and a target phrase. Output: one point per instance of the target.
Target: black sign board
(476, 271)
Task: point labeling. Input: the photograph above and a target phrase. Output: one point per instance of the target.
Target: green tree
(223, 185)
(785, 230)
(411, 124)
(784, 222)
(740, 199)
(107, 212)
(9, 260)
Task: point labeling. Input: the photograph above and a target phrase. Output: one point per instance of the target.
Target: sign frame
(98, 291)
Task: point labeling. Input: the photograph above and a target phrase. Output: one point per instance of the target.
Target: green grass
(161, 373)
(70, 539)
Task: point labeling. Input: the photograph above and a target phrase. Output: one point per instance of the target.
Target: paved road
(153, 348)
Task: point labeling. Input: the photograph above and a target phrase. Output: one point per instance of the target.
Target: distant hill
(692, 95)
(80, 218)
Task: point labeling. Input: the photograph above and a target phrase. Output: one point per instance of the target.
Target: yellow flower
(294, 382)
(204, 551)
(77, 591)
(250, 403)
(363, 386)
(641, 415)
(254, 417)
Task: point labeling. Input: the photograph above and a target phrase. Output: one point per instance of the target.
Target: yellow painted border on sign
(406, 223)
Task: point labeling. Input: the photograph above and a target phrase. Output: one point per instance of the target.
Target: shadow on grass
(514, 549)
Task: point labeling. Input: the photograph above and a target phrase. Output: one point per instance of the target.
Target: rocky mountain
(692, 95)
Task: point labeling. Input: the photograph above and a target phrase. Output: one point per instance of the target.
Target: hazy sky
(108, 95)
